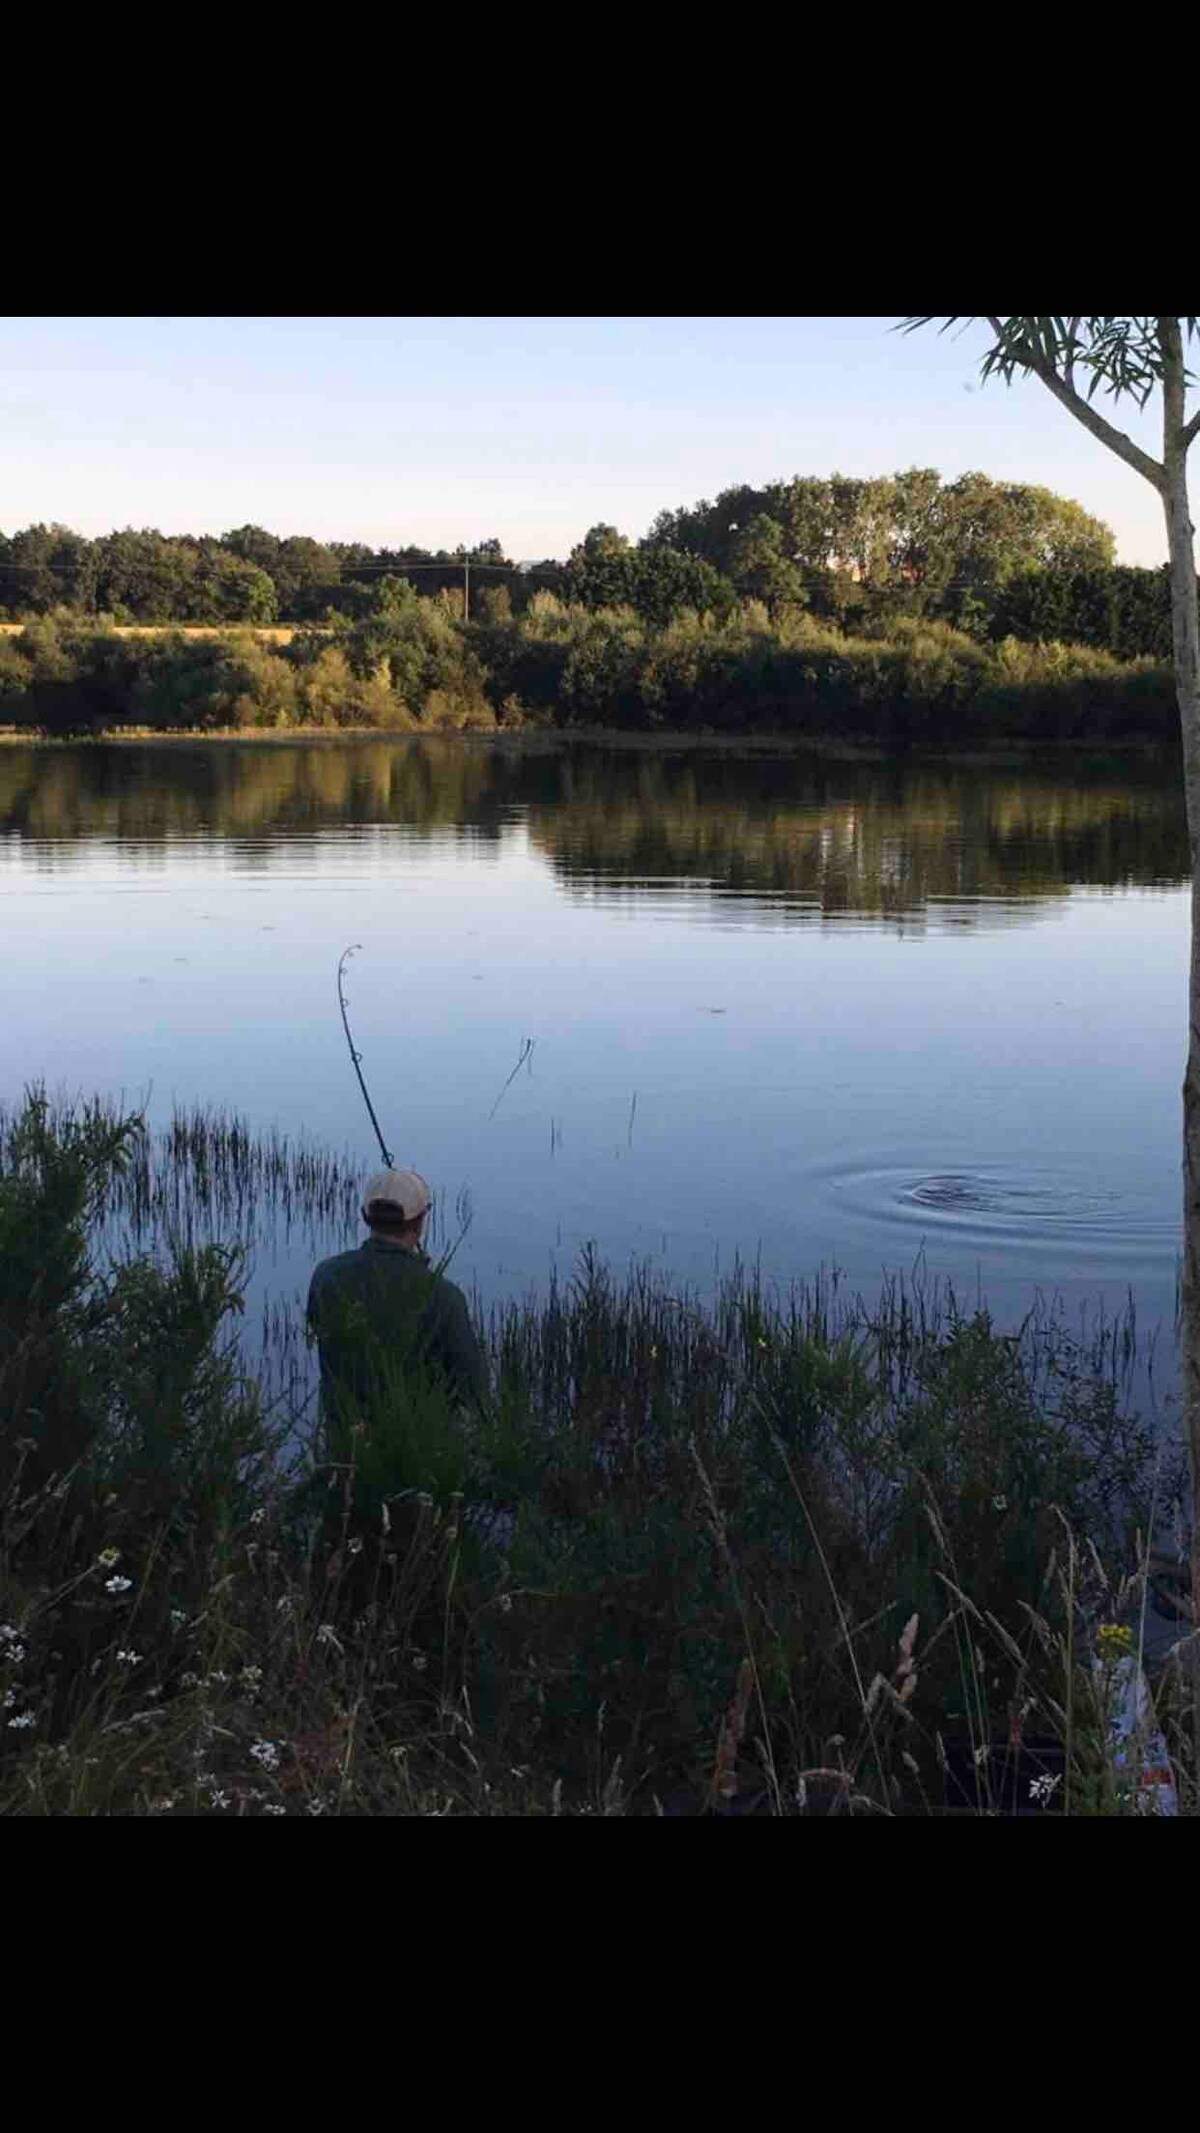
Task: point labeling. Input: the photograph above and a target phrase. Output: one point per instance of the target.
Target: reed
(781, 1551)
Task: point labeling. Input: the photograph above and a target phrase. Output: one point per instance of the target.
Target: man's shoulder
(328, 1270)
(447, 1289)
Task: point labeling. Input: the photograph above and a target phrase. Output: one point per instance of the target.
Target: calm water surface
(799, 1011)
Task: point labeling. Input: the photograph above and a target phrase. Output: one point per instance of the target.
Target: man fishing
(399, 1356)
(395, 1337)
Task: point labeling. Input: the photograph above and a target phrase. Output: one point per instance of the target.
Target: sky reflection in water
(867, 1013)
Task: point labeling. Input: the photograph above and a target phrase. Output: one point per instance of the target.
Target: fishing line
(526, 1052)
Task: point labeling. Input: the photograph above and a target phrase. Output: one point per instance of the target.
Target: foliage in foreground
(776, 1553)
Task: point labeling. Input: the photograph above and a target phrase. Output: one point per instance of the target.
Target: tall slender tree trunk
(1185, 624)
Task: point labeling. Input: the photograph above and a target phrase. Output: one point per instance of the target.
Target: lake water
(785, 1009)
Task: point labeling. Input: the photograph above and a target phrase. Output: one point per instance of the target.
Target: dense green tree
(602, 569)
(654, 579)
(762, 564)
(46, 567)
(908, 541)
(307, 576)
(144, 575)
(667, 583)
(227, 588)
(990, 531)
(1123, 609)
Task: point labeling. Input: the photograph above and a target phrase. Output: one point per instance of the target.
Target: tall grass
(779, 1552)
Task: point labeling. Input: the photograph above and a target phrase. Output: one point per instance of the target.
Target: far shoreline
(534, 740)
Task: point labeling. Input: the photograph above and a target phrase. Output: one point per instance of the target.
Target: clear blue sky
(438, 431)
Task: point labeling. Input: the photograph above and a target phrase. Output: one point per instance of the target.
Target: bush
(330, 693)
(409, 661)
(115, 1373)
(450, 707)
(16, 674)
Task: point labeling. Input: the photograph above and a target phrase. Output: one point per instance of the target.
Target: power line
(355, 570)
(350, 573)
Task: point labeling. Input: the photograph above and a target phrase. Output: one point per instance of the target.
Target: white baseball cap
(404, 1190)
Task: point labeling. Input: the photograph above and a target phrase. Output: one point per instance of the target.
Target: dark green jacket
(384, 1318)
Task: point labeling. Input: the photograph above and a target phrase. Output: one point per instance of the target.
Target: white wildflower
(420, 1662)
(257, 1517)
(117, 1584)
(1042, 1788)
(178, 1617)
(129, 1658)
(274, 1807)
(266, 1752)
(23, 1719)
(15, 1654)
(217, 1798)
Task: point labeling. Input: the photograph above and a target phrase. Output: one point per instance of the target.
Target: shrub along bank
(414, 664)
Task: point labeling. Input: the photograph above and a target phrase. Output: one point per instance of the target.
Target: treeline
(248, 575)
(991, 559)
(411, 665)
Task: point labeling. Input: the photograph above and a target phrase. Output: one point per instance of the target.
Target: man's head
(395, 1205)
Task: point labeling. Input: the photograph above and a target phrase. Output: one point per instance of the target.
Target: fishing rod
(356, 1057)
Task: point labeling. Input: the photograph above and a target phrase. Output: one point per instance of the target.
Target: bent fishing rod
(356, 1056)
(441, 1264)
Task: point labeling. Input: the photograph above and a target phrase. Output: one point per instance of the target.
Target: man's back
(386, 1320)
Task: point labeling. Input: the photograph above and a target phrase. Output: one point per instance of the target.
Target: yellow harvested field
(273, 633)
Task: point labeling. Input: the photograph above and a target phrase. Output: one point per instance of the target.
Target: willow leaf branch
(1031, 358)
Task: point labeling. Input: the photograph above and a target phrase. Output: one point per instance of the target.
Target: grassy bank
(418, 667)
(780, 1553)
